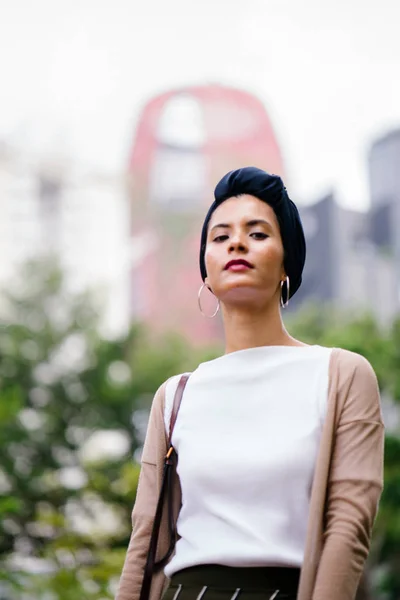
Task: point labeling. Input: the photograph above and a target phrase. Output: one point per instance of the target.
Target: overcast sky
(77, 72)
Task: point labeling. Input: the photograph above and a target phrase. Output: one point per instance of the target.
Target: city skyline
(149, 273)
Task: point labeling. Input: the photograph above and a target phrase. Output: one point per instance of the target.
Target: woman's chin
(244, 296)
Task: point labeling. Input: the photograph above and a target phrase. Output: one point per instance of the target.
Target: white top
(247, 438)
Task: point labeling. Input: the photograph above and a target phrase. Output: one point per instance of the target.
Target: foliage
(71, 419)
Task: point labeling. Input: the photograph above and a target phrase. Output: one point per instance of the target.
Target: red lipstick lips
(238, 265)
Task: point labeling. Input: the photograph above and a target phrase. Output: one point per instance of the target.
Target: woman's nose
(237, 243)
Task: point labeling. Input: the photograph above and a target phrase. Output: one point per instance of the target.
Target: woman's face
(244, 230)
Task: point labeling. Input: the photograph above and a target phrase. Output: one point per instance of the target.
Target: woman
(280, 444)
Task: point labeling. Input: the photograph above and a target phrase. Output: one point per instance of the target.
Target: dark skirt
(215, 582)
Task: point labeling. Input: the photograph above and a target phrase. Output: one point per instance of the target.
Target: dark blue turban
(269, 189)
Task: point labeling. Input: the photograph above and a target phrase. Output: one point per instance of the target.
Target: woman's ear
(208, 285)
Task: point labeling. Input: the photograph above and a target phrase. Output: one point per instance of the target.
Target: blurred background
(116, 121)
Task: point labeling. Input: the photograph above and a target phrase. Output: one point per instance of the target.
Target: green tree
(72, 411)
(386, 551)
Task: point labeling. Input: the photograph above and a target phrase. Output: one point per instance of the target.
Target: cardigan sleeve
(145, 507)
(355, 481)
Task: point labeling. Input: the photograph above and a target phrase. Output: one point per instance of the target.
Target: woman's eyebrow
(254, 222)
(251, 223)
(224, 225)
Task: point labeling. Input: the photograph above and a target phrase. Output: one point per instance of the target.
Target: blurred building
(82, 218)
(344, 267)
(185, 141)
(384, 178)
(353, 258)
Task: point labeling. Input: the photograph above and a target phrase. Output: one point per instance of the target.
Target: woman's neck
(249, 328)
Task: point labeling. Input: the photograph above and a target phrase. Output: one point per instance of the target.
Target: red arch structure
(257, 141)
(236, 132)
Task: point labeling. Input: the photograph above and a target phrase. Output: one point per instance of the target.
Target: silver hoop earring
(199, 302)
(285, 302)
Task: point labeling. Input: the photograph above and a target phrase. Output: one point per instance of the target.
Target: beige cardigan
(346, 489)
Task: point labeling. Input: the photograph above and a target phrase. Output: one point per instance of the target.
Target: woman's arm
(144, 509)
(355, 483)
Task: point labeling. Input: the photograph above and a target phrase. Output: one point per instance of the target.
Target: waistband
(283, 578)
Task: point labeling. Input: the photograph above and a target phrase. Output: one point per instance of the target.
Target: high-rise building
(321, 274)
(19, 230)
(384, 179)
(344, 268)
(81, 218)
(384, 171)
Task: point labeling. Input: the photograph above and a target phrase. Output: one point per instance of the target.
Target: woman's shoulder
(161, 406)
(356, 386)
(166, 394)
(164, 390)
(351, 364)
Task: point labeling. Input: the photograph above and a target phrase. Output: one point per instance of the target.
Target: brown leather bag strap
(176, 406)
(165, 493)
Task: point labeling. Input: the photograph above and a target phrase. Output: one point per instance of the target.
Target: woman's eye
(259, 235)
(221, 238)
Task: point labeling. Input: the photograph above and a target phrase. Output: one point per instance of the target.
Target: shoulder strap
(176, 406)
(165, 495)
